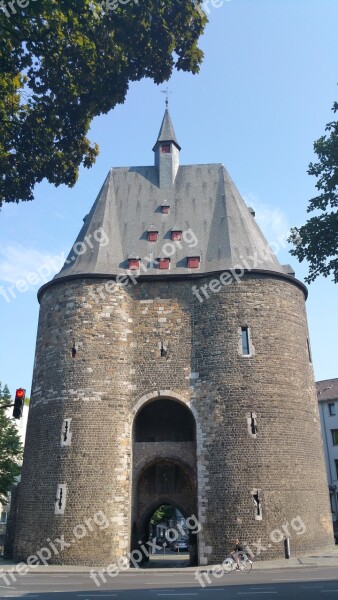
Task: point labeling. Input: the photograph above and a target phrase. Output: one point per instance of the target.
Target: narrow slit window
(66, 434)
(309, 349)
(163, 350)
(252, 424)
(336, 464)
(257, 500)
(245, 341)
(60, 500)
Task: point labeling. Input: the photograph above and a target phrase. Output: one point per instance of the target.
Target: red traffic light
(18, 403)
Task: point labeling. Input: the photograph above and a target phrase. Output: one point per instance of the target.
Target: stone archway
(164, 463)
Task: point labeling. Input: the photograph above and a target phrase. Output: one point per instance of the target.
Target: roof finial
(166, 92)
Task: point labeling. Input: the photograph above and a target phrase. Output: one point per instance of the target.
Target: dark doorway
(164, 476)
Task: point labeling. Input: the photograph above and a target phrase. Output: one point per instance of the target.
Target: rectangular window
(165, 148)
(134, 263)
(334, 436)
(164, 263)
(152, 236)
(165, 210)
(336, 463)
(332, 503)
(176, 236)
(332, 409)
(245, 341)
(193, 262)
(3, 517)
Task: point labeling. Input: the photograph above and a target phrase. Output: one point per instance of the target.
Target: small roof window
(134, 263)
(165, 149)
(163, 263)
(165, 209)
(193, 262)
(176, 234)
(152, 236)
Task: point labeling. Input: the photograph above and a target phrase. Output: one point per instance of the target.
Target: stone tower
(172, 366)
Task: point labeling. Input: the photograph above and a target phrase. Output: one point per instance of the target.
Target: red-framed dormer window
(193, 262)
(176, 235)
(165, 149)
(165, 209)
(163, 263)
(133, 263)
(152, 236)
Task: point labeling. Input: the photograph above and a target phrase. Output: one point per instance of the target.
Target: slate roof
(327, 389)
(217, 225)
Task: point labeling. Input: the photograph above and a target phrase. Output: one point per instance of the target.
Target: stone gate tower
(172, 366)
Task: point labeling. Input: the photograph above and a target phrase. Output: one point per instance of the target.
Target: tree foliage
(10, 447)
(64, 62)
(317, 240)
(163, 514)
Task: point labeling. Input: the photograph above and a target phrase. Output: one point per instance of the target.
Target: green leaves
(65, 62)
(317, 240)
(10, 448)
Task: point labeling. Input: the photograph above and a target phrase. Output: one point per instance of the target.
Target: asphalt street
(303, 584)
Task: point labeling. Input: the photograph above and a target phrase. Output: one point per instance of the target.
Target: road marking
(312, 579)
(160, 582)
(328, 591)
(7, 587)
(179, 594)
(95, 595)
(249, 593)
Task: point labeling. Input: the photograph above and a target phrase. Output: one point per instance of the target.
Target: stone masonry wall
(118, 367)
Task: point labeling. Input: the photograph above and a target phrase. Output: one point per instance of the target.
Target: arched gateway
(164, 464)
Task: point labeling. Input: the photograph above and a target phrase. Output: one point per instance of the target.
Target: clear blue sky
(262, 97)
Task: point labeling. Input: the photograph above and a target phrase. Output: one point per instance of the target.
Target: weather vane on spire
(166, 92)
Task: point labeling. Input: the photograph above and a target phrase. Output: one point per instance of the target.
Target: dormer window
(193, 262)
(176, 235)
(165, 209)
(134, 264)
(165, 149)
(152, 236)
(163, 263)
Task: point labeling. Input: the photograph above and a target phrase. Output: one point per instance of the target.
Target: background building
(172, 367)
(21, 425)
(327, 393)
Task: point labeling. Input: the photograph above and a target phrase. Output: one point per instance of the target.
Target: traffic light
(20, 395)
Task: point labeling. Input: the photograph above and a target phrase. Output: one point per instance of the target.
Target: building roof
(327, 389)
(204, 203)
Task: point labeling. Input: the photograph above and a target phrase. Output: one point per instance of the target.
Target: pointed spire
(167, 132)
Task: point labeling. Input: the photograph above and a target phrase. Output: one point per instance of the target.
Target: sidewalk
(329, 559)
